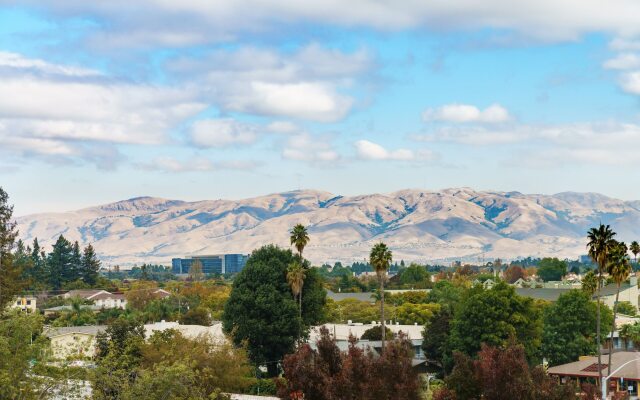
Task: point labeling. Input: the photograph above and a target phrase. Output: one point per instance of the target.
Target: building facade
(211, 264)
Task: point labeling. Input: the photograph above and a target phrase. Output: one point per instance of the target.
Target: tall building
(211, 264)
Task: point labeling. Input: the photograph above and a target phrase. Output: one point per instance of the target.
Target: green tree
(414, 273)
(60, 263)
(195, 272)
(261, 310)
(380, 259)
(570, 327)
(299, 238)
(196, 316)
(409, 314)
(435, 342)
(626, 308)
(10, 276)
(75, 272)
(492, 317)
(295, 278)
(39, 261)
(90, 266)
(446, 294)
(375, 333)
(600, 244)
(552, 269)
(619, 268)
(635, 250)
(590, 283)
(20, 342)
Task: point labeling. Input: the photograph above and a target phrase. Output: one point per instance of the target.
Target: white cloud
(55, 109)
(467, 113)
(623, 61)
(367, 150)
(597, 143)
(188, 22)
(630, 82)
(284, 127)
(310, 148)
(195, 164)
(223, 132)
(307, 84)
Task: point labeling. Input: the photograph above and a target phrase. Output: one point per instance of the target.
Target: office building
(211, 264)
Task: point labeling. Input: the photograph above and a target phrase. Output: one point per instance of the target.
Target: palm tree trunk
(598, 325)
(613, 328)
(300, 301)
(382, 310)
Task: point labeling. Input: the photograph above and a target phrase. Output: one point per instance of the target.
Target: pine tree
(39, 262)
(76, 263)
(59, 263)
(90, 266)
(10, 276)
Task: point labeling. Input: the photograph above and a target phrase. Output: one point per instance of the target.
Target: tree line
(66, 266)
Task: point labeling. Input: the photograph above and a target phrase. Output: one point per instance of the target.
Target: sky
(192, 100)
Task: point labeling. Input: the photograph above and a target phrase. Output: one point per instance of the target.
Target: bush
(375, 333)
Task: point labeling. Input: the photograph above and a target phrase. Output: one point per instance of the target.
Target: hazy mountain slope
(418, 225)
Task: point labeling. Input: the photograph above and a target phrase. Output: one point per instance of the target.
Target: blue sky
(202, 100)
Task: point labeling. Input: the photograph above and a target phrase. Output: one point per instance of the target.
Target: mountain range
(418, 225)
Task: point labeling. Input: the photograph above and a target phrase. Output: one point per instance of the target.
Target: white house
(628, 292)
(100, 298)
(24, 303)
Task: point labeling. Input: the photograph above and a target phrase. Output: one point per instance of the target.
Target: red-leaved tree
(330, 374)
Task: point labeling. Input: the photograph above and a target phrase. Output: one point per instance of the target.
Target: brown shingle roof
(588, 367)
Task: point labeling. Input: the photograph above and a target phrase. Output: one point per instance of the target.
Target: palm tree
(600, 244)
(299, 238)
(295, 278)
(619, 269)
(635, 249)
(380, 260)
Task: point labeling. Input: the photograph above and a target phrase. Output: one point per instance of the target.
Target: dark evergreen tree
(59, 263)
(39, 265)
(75, 272)
(90, 266)
(10, 276)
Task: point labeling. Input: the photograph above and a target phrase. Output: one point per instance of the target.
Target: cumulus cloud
(52, 109)
(467, 113)
(305, 85)
(195, 164)
(192, 22)
(367, 150)
(223, 132)
(310, 148)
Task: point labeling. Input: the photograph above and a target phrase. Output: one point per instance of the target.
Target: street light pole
(605, 379)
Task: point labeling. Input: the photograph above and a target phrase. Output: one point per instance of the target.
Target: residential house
(80, 341)
(24, 303)
(74, 342)
(624, 364)
(100, 298)
(628, 292)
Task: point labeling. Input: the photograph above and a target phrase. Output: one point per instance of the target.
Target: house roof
(611, 289)
(87, 330)
(107, 295)
(343, 331)
(547, 294)
(84, 293)
(69, 308)
(588, 366)
(366, 296)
